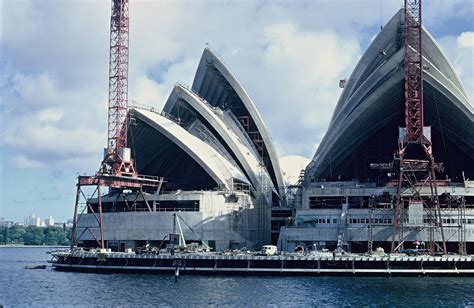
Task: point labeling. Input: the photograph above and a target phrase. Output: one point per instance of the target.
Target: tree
(16, 234)
(4, 235)
(34, 236)
(55, 236)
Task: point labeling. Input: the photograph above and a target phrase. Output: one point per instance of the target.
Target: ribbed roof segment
(216, 126)
(218, 85)
(371, 107)
(222, 131)
(162, 146)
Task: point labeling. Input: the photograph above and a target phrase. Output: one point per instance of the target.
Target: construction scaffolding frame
(414, 173)
(139, 184)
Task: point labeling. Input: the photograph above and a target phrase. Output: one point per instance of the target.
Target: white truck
(269, 250)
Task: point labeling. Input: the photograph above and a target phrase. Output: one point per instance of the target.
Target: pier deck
(247, 264)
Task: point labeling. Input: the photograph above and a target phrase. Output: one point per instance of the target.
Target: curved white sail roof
(175, 139)
(228, 131)
(219, 86)
(364, 126)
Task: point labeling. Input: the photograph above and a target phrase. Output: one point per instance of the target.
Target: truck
(269, 250)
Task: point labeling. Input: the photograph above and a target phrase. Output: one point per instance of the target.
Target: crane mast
(414, 159)
(413, 72)
(117, 170)
(117, 156)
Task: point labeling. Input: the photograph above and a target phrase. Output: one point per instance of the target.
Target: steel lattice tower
(117, 160)
(413, 72)
(415, 173)
(117, 170)
(118, 76)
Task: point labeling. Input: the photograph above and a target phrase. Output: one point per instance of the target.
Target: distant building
(33, 220)
(49, 222)
(5, 223)
(69, 223)
(30, 220)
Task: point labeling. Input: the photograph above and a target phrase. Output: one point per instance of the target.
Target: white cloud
(24, 163)
(50, 115)
(48, 125)
(466, 40)
(460, 52)
(301, 70)
(464, 61)
(148, 92)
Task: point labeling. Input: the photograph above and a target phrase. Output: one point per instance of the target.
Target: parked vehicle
(269, 250)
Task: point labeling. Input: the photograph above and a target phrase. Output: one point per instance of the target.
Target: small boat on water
(35, 267)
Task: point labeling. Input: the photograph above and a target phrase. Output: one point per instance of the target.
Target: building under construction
(209, 157)
(392, 170)
(364, 187)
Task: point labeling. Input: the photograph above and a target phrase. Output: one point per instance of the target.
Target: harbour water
(20, 286)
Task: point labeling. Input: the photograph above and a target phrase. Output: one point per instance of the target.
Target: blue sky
(289, 56)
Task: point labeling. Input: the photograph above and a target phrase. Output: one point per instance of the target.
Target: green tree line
(35, 235)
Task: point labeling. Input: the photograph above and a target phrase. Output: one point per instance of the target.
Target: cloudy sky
(289, 56)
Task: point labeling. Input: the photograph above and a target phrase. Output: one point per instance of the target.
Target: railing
(161, 113)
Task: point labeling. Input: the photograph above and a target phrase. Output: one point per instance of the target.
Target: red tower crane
(117, 156)
(415, 173)
(413, 72)
(117, 169)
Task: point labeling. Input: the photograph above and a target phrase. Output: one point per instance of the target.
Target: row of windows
(456, 221)
(351, 221)
(380, 221)
(367, 220)
(324, 221)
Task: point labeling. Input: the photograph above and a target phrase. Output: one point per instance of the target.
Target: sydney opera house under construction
(222, 175)
(349, 204)
(221, 169)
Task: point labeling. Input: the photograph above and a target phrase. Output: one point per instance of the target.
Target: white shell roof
(209, 59)
(219, 168)
(226, 127)
(373, 97)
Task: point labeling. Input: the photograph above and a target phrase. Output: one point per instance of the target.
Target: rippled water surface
(19, 286)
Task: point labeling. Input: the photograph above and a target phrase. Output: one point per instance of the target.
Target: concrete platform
(248, 264)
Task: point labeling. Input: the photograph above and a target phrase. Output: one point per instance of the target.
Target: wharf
(249, 264)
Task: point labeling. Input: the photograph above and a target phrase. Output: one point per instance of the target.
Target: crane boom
(413, 72)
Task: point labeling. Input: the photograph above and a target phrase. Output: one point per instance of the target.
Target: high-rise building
(33, 220)
(49, 222)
